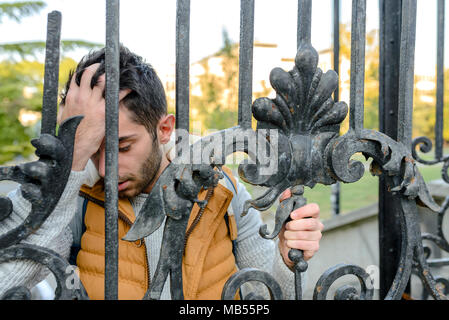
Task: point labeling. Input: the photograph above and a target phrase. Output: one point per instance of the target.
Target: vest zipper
(125, 219)
(197, 218)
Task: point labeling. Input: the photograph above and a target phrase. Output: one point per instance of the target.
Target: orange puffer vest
(208, 258)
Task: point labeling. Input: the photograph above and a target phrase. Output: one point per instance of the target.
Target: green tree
(217, 105)
(21, 81)
(424, 110)
(424, 101)
(21, 92)
(17, 11)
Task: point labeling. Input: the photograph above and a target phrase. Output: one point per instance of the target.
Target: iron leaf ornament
(42, 184)
(299, 129)
(42, 181)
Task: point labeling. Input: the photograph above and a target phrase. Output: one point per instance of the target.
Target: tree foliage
(21, 82)
(424, 111)
(22, 91)
(30, 49)
(424, 101)
(18, 10)
(217, 105)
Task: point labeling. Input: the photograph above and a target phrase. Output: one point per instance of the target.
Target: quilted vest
(208, 260)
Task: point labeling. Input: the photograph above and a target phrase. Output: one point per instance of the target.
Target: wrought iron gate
(298, 129)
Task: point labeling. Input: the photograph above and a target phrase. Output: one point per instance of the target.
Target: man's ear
(165, 128)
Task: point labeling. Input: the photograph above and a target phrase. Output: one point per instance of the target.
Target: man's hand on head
(89, 102)
(302, 232)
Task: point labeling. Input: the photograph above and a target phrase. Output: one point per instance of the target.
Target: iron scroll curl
(42, 183)
(299, 131)
(421, 264)
(297, 143)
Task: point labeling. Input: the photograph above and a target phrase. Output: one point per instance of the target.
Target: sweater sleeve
(253, 251)
(53, 234)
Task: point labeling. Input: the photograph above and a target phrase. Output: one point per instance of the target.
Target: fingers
(285, 195)
(311, 210)
(303, 235)
(98, 89)
(303, 232)
(86, 78)
(307, 241)
(308, 254)
(303, 245)
(311, 224)
(73, 90)
(84, 92)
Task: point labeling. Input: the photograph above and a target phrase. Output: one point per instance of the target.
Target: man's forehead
(127, 123)
(127, 137)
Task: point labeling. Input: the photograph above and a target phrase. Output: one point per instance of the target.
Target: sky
(147, 27)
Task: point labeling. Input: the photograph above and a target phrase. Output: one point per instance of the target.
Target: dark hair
(146, 101)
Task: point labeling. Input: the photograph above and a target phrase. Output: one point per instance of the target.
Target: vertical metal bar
(112, 56)
(389, 228)
(51, 75)
(406, 72)
(336, 43)
(182, 64)
(246, 62)
(440, 81)
(304, 33)
(335, 188)
(357, 90)
(390, 15)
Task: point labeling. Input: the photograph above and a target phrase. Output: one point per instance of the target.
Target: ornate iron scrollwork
(438, 238)
(305, 122)
(297, 131)
(50, 259)
(42, 184)
(346, 292)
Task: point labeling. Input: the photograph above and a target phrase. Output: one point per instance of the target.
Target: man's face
(139, 157)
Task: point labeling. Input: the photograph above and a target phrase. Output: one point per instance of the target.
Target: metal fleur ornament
(308, 119)
(299, 131)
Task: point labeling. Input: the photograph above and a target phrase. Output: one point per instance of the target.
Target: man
(217, 244)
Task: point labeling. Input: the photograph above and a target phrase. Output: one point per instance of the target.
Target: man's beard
(146, 175)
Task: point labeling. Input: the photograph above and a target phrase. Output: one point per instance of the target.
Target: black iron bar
(438, 262)
(389, 227)
(182, 93)
(51, 76)
(357, 90)
(439, 123)
(112, 57)
(336, 43)
(406, 72)
(335, 188)
(390, 15)
(246, 62)
(304, 33)
(182, 63)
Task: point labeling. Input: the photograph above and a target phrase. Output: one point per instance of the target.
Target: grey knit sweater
(64, 224)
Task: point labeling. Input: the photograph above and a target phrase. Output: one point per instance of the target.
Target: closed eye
(124, 149)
